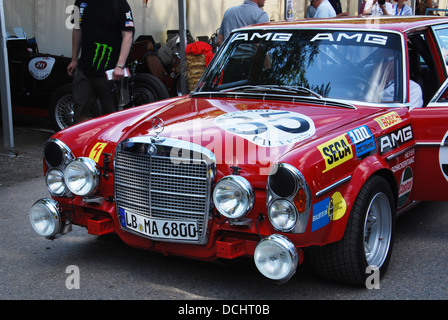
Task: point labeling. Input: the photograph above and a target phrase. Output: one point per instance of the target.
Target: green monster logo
(106, 50)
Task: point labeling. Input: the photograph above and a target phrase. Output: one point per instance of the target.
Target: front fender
(346, 194)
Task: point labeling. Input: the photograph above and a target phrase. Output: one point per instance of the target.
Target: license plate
(159, 228)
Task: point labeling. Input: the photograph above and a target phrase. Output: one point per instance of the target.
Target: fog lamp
(82, 176)
(55, 182)
(233, 197)
(45, 217)
(276, 257)
(282, 215)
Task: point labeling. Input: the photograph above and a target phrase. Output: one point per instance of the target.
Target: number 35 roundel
(443, 156)
(268, 128)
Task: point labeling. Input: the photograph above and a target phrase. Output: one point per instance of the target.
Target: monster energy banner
(102, 55)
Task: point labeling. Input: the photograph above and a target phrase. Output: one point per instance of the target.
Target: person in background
(324, 9)
(421, 7)
(400, 9)
(361, 8)
(311, 10)
(248, 13)
(378, 8)
(338, 8)
(101, 42)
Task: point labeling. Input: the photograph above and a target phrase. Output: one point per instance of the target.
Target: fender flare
(373, 165)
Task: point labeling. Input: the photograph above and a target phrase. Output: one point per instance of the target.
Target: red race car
(301, 139)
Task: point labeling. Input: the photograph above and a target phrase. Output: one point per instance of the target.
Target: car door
(430, 129)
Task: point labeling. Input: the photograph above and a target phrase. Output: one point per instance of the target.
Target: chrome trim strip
(334, 185)
(429, 144)
(395, 155)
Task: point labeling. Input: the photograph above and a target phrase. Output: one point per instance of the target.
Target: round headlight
(57, 154)
(276, 257)
(282, 215)
(82, 176)
(55, 182)
(45, 217)
(233, 197)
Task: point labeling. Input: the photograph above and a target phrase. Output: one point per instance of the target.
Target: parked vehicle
(40, 84)
(39, 81)
(301, 140)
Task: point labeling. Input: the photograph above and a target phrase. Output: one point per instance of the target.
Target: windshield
(353, 65)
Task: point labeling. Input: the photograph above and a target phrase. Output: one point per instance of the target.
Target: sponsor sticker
(394, 139)
(337, 207)
(407, 179)
(96, 151)
(40, 68)
(320, 214)
(388, 120)
(335, 152)
(363, 140)
(409, 159)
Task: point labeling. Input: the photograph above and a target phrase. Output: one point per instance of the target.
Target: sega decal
(335, 152)
(388, 120)
(268, 128)
(363, 140)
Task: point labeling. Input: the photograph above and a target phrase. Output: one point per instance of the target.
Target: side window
(441, 97)
(421, 65)
(441, 34)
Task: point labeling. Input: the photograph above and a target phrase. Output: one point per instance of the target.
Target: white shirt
(376, 10)
(325, 10)
(415, 94)
(404, 11)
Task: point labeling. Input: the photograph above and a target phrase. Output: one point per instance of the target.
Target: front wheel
(61, 107)
(367, 240)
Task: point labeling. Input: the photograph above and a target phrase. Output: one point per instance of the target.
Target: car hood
(240, 132)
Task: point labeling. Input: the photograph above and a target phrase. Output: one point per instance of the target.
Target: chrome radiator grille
(157, 186)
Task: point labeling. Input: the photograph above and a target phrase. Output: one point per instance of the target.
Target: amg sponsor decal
(388, 120)
(270, 36)
(335, 152)
(394, 139)
(356, 37)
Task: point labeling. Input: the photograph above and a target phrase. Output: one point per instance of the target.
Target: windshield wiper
(275, 89)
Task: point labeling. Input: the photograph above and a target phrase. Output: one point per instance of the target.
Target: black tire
(61, 108)
(148, 88)
(347, 260)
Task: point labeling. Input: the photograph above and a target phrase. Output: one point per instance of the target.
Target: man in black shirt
(104, 39)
